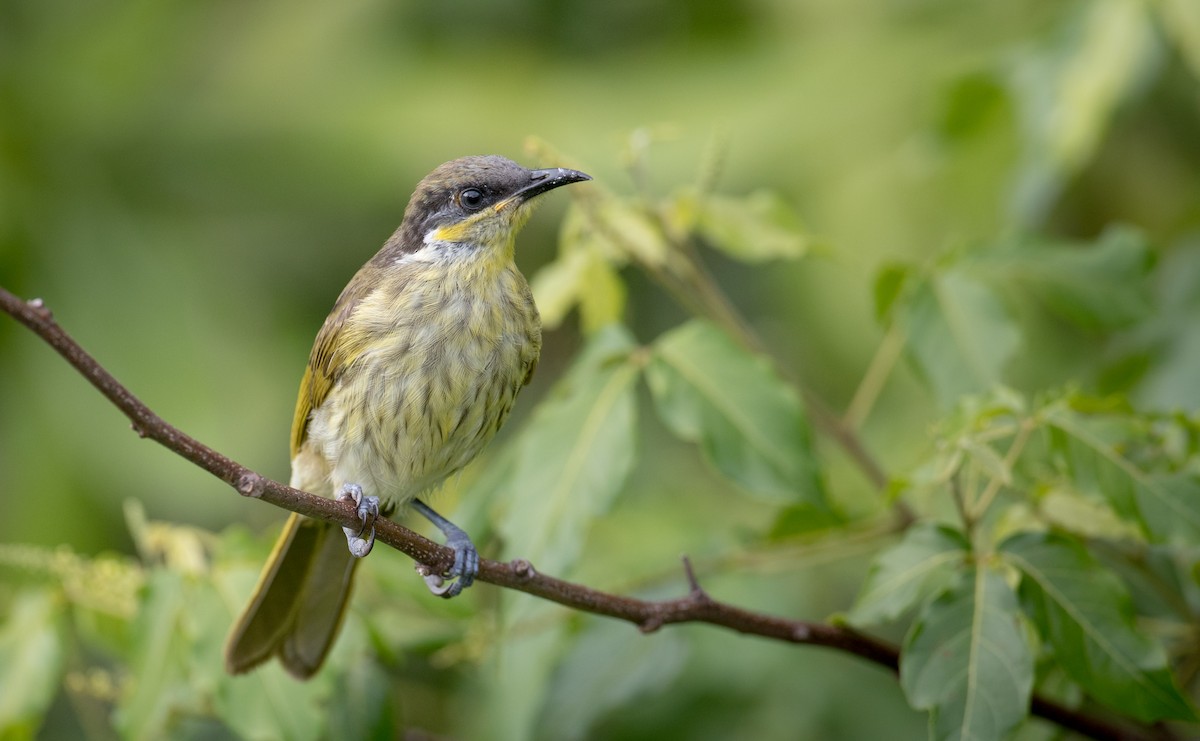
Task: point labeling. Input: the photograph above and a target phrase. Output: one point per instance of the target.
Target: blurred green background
(189, 186)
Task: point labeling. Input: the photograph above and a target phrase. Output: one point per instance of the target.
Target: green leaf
(1084, 516)
(889, 286)
(754, 229)
(1116, 41)
(266, 703)
(1172, 352)
(574, 454)
(31, 662)
(969, 104)
(986, 457)
(802, 519)
(628, 231)
(557, 286)
(916, 568)
(1097, 286)
(607, 667)
(1181, 20)
(364, 706)
(518, 671)
(1155, 575)
(1085, 613)
(1088, 447)
(584, 274)
(1170, 506)
(175, 667)
(1070, 91)
(157, 664)
(602, 295)
(967, 662)
(960, 335)
(749, 423)
(1165, 505)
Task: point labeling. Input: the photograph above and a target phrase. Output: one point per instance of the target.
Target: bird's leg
(466, 558)
(368, 510)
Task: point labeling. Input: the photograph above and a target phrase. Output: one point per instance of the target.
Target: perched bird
(411, 375)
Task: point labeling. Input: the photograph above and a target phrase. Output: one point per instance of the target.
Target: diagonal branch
(696, 606)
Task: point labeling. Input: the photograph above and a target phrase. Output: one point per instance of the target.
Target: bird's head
(476, 201)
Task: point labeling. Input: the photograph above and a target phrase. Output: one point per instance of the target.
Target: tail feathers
(299, 602)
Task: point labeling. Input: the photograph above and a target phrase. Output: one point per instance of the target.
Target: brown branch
(695, 607)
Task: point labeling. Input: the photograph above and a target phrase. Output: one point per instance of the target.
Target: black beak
(544, 180)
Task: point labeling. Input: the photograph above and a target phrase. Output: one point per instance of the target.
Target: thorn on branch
(697, 592)
(139, 430)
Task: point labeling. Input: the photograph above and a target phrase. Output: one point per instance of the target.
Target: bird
(412, 373)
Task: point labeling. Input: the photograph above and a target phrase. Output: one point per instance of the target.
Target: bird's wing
(336, 347)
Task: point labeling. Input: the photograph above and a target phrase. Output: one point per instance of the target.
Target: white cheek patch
(435, 250)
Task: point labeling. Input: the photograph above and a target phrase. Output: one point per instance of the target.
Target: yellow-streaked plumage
(413, 372)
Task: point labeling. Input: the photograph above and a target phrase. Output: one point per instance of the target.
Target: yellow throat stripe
(485, 225)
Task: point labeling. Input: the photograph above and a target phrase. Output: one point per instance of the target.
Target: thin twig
(996, 483)
(878, 371)
(960, 503)
(696, 606)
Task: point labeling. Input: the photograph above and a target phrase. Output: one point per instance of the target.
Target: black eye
(470, 199)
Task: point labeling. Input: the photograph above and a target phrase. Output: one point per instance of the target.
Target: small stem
(1010, 459)
(878, 372)
(960, 504)
(712, 162)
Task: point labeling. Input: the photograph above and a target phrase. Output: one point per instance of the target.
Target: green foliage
(959, 315)
(922, 564)
(573, 457)
(1008, 190)
(31, 662)
(966, 659)
(757, 228)
(582, 275)
(1072, 89)
(960, 335)
(612, 671)
(1096, 286)
(1065, 452)
(365, 708)
(748, 422)
(1086, 617)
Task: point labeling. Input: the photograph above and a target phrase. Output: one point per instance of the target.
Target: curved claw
(368, 511)
(359, 547)
(438, 585)
(460, 575)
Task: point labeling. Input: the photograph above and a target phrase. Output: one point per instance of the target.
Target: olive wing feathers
(337, 346)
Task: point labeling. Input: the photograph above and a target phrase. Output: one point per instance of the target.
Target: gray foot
(466, 558)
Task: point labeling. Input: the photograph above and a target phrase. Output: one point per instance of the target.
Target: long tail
(299, 602)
